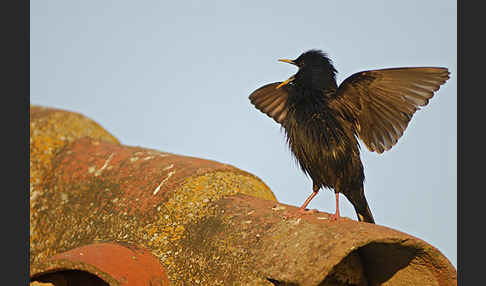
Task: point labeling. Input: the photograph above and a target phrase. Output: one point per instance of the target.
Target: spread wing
(271, 101)
(382, 102)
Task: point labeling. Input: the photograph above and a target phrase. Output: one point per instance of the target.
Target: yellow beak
(287, 61)
(285, 82)
(290, 78)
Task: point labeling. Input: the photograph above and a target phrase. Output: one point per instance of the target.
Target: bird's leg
(302, 209)
(336, 215)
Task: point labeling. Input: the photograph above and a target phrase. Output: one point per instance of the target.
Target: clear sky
(176, 75)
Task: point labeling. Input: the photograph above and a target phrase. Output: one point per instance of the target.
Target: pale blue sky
(176, 76)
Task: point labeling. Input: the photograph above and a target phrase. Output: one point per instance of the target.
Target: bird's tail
(365, 214)
(361, 206)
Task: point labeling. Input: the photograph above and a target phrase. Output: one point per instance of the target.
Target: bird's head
(315, 71)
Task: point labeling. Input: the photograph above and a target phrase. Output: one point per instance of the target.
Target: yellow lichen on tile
(190, 203)
(50, 130)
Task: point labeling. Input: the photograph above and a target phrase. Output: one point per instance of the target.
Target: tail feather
(365, 214)
(358, 199)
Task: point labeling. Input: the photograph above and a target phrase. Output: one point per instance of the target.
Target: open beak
(287, 61)
(285, 82)
(290, 78)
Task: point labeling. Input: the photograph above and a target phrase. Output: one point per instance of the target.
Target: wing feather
(271, 101)
(381, 103)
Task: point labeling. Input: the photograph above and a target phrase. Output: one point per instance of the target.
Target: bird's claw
(300, 212)
(334, 217)
(306, 211)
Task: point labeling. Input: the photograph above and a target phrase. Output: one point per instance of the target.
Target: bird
(323, 120)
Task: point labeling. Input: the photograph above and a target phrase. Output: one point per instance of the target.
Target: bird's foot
(334, 217)
(307, 211)
(299, 212)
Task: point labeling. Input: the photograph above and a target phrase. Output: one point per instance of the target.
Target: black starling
(322, 120)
